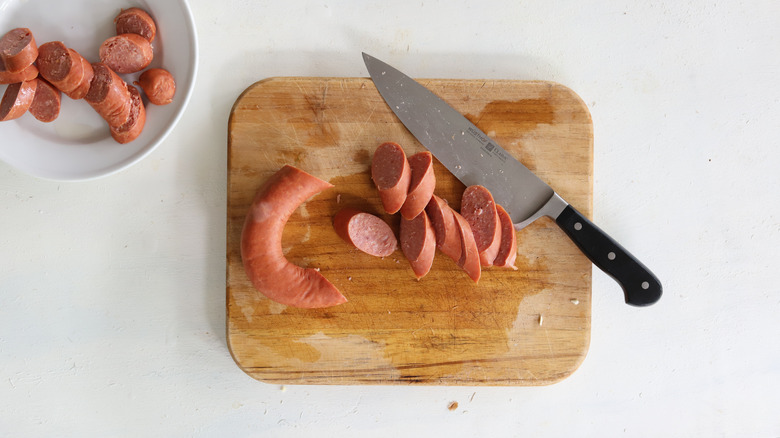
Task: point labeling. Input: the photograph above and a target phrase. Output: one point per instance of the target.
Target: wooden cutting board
(525, 327)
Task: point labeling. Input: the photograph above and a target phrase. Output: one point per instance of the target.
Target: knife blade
(476, 159)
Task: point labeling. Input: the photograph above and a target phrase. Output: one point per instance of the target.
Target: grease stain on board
(525, 116)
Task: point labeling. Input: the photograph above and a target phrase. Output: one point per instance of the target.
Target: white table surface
(112, 292)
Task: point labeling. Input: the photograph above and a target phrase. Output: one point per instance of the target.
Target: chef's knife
(476, 159)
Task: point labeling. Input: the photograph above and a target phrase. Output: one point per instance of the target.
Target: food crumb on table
(452, 406)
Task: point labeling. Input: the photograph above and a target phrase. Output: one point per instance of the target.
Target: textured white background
(112, 292)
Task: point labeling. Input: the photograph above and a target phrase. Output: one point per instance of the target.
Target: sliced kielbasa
(17, 49)
(84, 83)
(469, 255)
(443, 221)
(158, 85)
(126, 53)
(365, 232)
(137, 21)
(261, 243)
(46, 103)
(507, 251)
(58, 65)
(418, 243)
(109, 96)
(479, 209)
(421, 184)
(28, 74)
(17, 99)
(391, 175)
(135, 121)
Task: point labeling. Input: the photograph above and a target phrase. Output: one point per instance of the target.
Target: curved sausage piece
(87, 73)
(135, 122)
(507, 251)
(158, 85)
(391, 175)
(469, 255)
(479, 209)
(45, 105)
(365, 232)
(28, 74)
(443, 221)
(137, 21)
(126, 53)
(418, 243)
(17, 99)
(18, 49)
(261, 243)
(109, 96)
(421, 184)
(57, 64)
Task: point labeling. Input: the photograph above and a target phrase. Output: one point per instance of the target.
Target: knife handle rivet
(611, 256)
(577, 226)
(645, 285)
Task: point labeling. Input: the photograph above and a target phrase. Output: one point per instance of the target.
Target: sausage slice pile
(18, 52)
(480, 235)
(37, 76)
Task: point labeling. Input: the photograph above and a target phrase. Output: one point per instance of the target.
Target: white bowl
(78, 145)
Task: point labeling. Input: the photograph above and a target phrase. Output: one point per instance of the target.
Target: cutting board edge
(368, 80)
(349, 380)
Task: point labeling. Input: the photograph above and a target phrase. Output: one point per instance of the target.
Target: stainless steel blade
(472, 156)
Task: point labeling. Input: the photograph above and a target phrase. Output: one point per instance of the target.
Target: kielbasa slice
(109, 96)
(391, 175)
(365, 232)
(261, 243)
(443, 221)
(137, 21)
(507, 250)
(469, 255)
(158, 85)
(421, 184)
(126, 53)
(18, 49)
(17, 99)
(58, 65)
(28, 74)
(479, 209)
(45, 105)
(418, 243)
(87, 73)
(135, 121)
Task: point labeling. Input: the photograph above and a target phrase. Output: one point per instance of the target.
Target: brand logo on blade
(491, 149)
(495, 151)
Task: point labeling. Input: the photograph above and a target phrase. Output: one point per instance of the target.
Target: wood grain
(525, 327)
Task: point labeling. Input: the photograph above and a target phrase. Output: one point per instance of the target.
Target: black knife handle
(640, 286)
